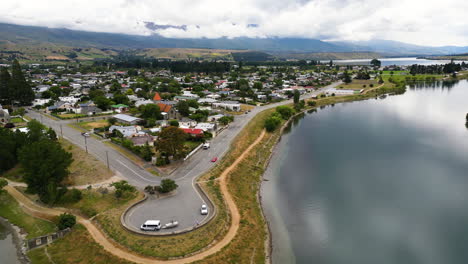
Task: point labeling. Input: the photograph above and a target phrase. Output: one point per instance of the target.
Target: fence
(45, 240)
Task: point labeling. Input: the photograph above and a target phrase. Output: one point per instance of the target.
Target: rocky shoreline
(19, 236)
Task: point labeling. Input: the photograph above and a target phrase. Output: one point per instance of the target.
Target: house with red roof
(194, 132)
(168, 111)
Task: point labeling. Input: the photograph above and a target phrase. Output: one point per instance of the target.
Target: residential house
(141, 139)
(126, 119)
(119, 108)
(207, 127)
(194, 132)
(127, 131)
(168, 111)
(187, 123)
(4, 115)
(229, 105)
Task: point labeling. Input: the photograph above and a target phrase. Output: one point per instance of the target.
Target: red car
(214, 159)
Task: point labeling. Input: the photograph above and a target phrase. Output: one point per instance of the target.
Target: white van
(151, 225)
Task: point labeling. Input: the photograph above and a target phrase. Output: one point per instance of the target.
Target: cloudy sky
(424, 22)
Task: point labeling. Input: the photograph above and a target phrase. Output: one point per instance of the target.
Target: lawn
(93, 124)
(77, 247)
(85, 168)
(359, 84)
(10, 209)
(17, 120)
(191, 145)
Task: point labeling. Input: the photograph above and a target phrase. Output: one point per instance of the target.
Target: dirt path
(44, 212)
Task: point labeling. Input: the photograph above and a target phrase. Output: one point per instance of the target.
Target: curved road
(184, 206)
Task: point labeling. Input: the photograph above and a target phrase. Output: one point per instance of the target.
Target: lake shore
(18, 240)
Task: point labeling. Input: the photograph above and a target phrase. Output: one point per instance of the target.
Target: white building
(228, 105)
(127, 131)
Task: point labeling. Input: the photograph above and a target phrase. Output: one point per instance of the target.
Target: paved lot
(184, 205)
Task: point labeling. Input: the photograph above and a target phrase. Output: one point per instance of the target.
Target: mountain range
(31, 35)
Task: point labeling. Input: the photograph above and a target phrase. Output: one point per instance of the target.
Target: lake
(392, 61)
(378, 181)
(8, 251)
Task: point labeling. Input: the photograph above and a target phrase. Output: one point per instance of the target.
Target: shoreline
(18, 239)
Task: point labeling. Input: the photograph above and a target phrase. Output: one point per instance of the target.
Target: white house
(229, 105)
(127, 131)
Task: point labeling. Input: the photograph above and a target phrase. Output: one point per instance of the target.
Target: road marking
(136, 173)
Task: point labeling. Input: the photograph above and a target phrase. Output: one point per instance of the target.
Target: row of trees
(45, 163)
(436, 69)
(13, 87)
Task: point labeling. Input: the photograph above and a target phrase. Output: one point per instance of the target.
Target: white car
(204, 209)
(151, 225)
(206, 145)
(85, 134)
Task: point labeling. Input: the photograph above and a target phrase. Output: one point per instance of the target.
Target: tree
(122, 187)
(35, 131)
(51, 134)
(66, 221)
(174, 123)
(296, 96)
(285, 111)
(167, 185)
(226, 119)
(346, 77)
(183, 108)
(102, 102)
(20, 89)
(272, 122)
(193, 103)
(3, 183)
(121, 99)
(375, 63)
(5, 93)
(45, 166)
(171, 141)
(112, 120)
(20, 111)
(150, 111)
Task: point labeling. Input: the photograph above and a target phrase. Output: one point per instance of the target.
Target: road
(184, 205)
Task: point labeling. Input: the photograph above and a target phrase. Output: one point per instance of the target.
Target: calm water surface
(379, 181)
(7, 248)
(391, 61)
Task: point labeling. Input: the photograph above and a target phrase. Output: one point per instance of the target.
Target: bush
(122, 187)
(66, 221)
(150, 189)
(174, 123)
(3, 183)
(285, 111)
(272, 123)
(312, 103)
(167, 185)
(72, 196)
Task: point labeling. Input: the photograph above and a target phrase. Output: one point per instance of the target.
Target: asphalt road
(184, 205)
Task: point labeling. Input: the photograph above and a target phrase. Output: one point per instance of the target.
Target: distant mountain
(31, 35)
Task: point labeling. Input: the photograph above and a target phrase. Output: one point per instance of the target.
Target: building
(207, 127)
(126, 119)
(141, 139)
(4, 115)
(119, 108)
(168, 111)
(194, 132)
(229, 105)
(127, 131)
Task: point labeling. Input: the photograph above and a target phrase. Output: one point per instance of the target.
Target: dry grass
(93, 124)
(77, 247)
(85, 169)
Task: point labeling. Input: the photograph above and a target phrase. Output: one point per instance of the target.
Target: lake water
(378, 181)
(392, 61)
(8, 254)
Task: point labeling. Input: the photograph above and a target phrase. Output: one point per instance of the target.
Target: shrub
(122, 187)
(285, 111)
(66, 221)
(312, 103)
(272, 123)
(174, 123)
(3, 183)
(167, 185)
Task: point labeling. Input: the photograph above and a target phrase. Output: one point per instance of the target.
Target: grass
(127, 153)
(93, 124)
(96, 201)
(14, 174)
(77, 247)
(191, 145)
(85, 169)
(17, 120)
(10, 209)
(359, 84)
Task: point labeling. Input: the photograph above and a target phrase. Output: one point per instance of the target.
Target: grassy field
(77, 247)
(93, 124)
(359, 84)
(186, 53)
(10, 209)
(17, 120)
(85, 169)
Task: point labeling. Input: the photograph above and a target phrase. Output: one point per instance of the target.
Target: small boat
(171, 224)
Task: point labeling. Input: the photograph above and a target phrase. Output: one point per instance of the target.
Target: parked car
(85, 134)
(214, 159)
(206, 145)
(171, 224)
(204, 209)
(151, 225)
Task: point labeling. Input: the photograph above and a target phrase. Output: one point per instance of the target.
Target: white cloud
(425, 22)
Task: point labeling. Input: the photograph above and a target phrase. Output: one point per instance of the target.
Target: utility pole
(86, 144)
(61, 131)
(107, 157)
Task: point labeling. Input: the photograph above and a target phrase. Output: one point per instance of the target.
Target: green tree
(22, 91)
(35, 131)
(66, 221)
(3, 183)
(183, 108)
(171, 141)
(375, 63)
(285, 111)
(193, 103)
(272, 122)
(121, 99)
(167, 185)
(102, 102)
(346, 77)
(150, 111)
(51, 134)
(226, 119)
(5, 91)
(45, 166)
(296, 96)
(174, 123)
(20, 111)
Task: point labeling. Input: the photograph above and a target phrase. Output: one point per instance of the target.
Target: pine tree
(5, 79)
(20, 89)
